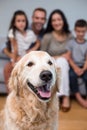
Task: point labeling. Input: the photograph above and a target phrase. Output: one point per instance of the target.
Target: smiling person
(77, 48)
(21, 41)
(38, 22)
(54, 42)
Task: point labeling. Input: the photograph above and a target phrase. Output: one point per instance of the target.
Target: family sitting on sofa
(69, 52)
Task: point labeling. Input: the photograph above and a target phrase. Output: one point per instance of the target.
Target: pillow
(3, 62)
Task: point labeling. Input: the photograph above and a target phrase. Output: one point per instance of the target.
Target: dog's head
(35, 72)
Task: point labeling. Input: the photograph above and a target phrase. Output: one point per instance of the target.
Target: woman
(54, 42)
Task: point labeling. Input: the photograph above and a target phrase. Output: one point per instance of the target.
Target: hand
(12, 62)
(18, 58)
(13, 57)
(78, 71)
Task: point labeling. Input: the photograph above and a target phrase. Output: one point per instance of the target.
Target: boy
(77, 49)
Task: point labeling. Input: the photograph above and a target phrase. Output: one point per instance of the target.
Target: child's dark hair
(12, 26)
(81, 23)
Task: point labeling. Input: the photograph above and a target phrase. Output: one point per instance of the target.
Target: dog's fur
(24, 110)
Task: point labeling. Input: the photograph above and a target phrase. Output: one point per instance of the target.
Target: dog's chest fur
(31, 113)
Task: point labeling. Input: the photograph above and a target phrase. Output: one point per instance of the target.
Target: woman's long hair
(49, 24)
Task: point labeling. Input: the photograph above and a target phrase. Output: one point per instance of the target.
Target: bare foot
(65, 104)
(81, 100)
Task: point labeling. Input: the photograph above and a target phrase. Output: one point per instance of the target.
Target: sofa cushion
(3, 59)
(2, 46)
(3, 62)
(3, 88)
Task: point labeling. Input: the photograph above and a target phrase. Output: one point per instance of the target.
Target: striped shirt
(23, 42)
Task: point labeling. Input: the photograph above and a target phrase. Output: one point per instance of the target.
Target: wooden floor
(75, 119)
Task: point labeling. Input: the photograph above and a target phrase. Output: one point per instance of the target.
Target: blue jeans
(74, 80)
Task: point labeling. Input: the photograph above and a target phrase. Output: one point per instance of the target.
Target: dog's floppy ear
(13, 81)
(14, 78)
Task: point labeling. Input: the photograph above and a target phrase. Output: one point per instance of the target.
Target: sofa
(4, 59)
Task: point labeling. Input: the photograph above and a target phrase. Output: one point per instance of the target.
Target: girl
(21, 41)
(54, 42)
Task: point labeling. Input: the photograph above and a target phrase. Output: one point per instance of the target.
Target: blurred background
(73, 9)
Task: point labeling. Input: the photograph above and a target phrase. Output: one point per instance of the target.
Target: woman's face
(20, 22)
(57, 22)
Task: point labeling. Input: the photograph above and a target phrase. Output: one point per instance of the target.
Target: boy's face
(80, 32)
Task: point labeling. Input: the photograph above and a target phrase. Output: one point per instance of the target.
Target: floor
(75, 119)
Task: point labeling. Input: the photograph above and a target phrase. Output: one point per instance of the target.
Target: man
(38, 22)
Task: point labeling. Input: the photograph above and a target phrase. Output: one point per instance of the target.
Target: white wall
(73, 9)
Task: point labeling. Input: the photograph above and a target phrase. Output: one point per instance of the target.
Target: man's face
(38, 20)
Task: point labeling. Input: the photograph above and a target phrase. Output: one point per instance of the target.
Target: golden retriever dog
(32, 103)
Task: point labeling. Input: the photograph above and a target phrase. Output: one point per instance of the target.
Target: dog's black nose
(46, 75)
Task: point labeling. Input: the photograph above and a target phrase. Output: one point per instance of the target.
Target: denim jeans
(74, 80)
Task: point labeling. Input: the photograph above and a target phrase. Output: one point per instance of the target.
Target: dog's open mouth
(43, 92)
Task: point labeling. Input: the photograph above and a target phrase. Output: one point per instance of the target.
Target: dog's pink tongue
(45, 94)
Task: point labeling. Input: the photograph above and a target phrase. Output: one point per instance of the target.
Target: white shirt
(24, 42)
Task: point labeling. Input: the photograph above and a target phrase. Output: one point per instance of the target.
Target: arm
(14, 46)
(76, 69)
(12, 55)
(8, 53)
(85, 65)
(71, 62)
(35, 47)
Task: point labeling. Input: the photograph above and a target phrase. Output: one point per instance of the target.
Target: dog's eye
(30, 64)
(49, 62)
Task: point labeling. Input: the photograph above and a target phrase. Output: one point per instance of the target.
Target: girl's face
(57, 22)
(20, 22)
